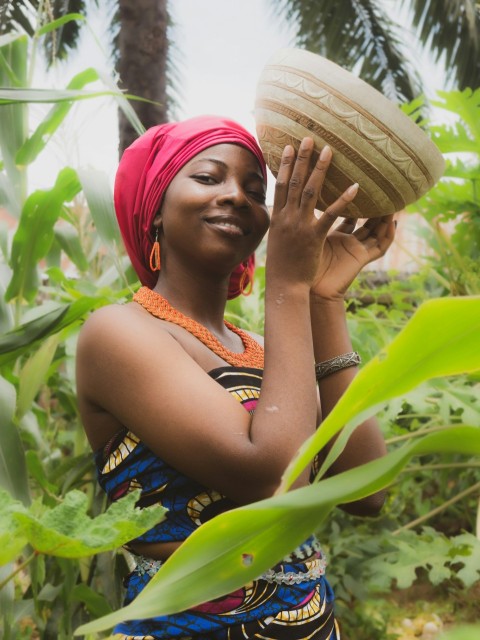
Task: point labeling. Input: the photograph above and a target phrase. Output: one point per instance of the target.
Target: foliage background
(61, 258)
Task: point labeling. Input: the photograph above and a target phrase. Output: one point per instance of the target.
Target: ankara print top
(126, 463)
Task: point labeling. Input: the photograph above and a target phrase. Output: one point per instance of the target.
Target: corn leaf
(34, 235)
(25, 336)
(33, 373)
(451, 348)
(57, 114)
(69, 241)
(13, 469)
(13, 119)
(99, 197)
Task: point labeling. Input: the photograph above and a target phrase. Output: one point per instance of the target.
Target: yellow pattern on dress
(124, 449)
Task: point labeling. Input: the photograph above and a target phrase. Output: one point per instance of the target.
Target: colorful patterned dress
(292, 601)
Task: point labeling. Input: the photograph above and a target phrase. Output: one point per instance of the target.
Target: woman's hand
(301, 246)
(348, 249)
(297, 236)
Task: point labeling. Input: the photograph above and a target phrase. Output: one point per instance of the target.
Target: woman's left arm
(347, 251)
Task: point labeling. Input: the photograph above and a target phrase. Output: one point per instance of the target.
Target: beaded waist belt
(314, 568)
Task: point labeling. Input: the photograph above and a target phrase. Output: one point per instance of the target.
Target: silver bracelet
(323, 369)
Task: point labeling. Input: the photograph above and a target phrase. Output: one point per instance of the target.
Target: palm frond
(31, 15)
(358, 35)
(60, 42)
(451, 28)
(18, 15)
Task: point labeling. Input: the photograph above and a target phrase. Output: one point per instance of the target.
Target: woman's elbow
(368, 507)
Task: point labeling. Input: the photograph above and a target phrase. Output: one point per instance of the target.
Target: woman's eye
(204, 178)
(258, 195)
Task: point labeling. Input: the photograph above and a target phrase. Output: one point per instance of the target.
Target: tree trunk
(142, 63)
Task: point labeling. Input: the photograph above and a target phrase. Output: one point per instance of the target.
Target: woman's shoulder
(119, 324)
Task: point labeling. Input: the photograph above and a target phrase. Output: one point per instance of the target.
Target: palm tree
(139, 48)
(142, 62)
(361, 35)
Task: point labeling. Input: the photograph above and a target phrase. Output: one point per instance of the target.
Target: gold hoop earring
(242, 285)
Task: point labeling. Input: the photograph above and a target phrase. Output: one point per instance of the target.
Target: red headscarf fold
(149, 165)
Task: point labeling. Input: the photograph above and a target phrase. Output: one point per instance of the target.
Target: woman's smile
(228, 225)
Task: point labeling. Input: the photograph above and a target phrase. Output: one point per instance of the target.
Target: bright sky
(221, 47)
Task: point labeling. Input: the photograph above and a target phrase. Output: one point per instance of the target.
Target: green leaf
(8, 38)
(468, 552)
(55, 24)
(33, 373)
(463, 633)
(123, 102)
(36, 470)
(34, 235)
(67, 531)
(16, 342)
(39, 139)
(451, 348)
(210, 562)
(13, 118)
(13, 470)
(13, 96)
(95, 603)
(68, 239)
(99, 197)
(466, 105)
(12, 538)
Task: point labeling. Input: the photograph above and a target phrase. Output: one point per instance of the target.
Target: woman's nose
(232, 192)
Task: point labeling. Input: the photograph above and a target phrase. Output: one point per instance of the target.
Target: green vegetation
(59, 561)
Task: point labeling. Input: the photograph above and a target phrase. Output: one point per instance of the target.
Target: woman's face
(215, 206)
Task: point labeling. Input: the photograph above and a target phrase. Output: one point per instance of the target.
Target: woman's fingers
(347, 225)
(337, 208)
(376, 235)
(287, 162)
(300, 172)
(314, 184)
(297, 184)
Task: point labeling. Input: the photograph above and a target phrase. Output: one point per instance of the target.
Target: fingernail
(325, 153)
(351, 191)
(307, 143)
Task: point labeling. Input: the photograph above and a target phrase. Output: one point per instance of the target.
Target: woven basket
(374, 143)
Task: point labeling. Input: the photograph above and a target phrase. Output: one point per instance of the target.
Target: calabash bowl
(374, 143)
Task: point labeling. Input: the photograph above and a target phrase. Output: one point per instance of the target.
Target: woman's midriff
(155, 550)
(163, 550)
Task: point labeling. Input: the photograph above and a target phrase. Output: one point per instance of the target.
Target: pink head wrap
(149, 165)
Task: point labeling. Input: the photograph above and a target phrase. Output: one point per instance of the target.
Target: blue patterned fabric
(261, 609)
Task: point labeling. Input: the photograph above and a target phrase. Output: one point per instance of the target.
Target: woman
(170, 394)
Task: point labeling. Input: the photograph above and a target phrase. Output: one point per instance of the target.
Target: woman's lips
(227, 227)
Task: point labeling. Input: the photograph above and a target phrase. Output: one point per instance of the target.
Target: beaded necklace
(159, 307)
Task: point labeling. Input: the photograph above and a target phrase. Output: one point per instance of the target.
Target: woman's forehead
(230, 156)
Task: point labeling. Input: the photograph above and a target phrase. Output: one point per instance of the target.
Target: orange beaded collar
(159, 307)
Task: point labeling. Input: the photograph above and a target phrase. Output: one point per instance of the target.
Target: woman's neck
(196, 295)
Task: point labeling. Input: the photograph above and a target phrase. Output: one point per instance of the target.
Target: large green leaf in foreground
(67, 531)
(442, 338)
(236, 547)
